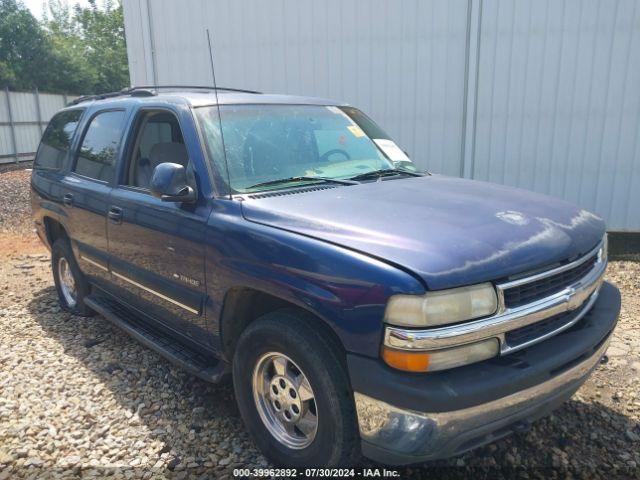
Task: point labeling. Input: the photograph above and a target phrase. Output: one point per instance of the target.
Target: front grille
(537, 330)
(539, 289)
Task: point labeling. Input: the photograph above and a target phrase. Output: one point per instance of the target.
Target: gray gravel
(15, 208)
(80, 398)
(78, 394)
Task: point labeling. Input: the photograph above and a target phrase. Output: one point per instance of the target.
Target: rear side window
(99, 149)
(56, 140)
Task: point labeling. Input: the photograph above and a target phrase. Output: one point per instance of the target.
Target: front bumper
(408, 418)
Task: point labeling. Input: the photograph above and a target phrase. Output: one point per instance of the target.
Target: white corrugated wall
(542, 94)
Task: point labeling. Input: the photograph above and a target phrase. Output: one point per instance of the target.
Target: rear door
(50, 165)
(157, 248)
(86, 191)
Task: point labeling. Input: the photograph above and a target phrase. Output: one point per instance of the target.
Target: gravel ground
(80, 398)
(15, 210)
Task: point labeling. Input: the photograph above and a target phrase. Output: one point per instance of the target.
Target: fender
(345, 289)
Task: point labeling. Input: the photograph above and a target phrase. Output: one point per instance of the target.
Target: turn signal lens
(412, 361)
(404, 360)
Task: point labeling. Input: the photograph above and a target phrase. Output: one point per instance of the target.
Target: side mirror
(169, 184)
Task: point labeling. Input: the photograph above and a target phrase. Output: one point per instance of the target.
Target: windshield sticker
(356, 130)
(391, 150)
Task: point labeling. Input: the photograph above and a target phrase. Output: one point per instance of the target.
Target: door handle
(67, 199)
(115, 215)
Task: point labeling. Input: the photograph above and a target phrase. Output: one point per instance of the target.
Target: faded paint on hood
(448, 231)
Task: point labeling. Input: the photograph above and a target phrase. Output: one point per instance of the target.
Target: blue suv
(360, 305)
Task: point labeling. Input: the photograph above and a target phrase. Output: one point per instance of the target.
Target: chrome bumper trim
(568, 299)
(424, 435)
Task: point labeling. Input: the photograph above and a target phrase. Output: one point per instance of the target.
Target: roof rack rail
(194, 87)
(101, 96)
(147, 91)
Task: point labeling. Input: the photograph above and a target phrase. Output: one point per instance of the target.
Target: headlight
(442, 307)
(432, 361)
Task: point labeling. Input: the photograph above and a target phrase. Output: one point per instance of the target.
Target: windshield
(267, 143)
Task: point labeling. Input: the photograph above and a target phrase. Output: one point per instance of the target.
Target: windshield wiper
(385, 172)
(303, 179)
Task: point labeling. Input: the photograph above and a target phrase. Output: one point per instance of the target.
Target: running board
(211, 370)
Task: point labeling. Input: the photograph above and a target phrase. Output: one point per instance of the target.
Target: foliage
(26, 61)
(74, 49)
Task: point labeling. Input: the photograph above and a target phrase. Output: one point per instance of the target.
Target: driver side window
(158, 140)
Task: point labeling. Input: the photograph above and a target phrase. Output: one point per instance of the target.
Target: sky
(36, 6)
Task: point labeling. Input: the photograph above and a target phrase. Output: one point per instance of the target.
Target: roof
(198, 97)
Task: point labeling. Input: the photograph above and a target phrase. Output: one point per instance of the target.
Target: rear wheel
(71, 285)
(293, 393)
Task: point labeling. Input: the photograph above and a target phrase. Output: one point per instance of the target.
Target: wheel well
(54, 230)
(242, 306)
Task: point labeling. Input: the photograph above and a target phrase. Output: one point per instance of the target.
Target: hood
(448, 231)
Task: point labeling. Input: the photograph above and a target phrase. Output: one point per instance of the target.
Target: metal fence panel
(4, 111)
(50, 104)
(6, 146)
(27, 138)
(23, 107)
(22, 121)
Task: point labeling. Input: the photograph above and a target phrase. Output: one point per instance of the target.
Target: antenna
(215, 89)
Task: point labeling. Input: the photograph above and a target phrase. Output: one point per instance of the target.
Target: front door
(156, 248)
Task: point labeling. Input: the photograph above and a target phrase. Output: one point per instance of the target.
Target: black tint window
(56, 140)
(99, 148)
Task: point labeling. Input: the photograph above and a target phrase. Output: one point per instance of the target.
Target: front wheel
(293, 393)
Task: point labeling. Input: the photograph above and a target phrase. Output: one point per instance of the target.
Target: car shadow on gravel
(196, 427)
(192, 421)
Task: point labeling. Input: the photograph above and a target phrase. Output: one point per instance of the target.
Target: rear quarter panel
(46, 195)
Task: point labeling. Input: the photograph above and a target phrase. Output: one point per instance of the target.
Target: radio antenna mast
(215, 90)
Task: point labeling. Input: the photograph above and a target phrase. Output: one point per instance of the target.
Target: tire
(336, 441)
(63, 260)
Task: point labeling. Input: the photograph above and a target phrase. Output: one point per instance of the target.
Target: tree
(103, 34)
(93, 39)
(26, 58)
(74, 50)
